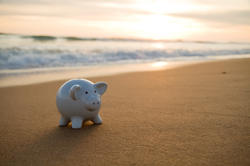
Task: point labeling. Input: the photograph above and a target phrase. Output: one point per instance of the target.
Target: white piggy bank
(79, 100)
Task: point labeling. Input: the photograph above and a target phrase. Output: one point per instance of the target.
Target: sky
(203, 20)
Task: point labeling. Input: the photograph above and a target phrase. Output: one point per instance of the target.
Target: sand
(191, 115)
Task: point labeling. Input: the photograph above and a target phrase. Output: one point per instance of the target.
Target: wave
(41, 38)
(20, 58)
(73, 38)
(17, 52)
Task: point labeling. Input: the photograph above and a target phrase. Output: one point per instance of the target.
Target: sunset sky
(206, 20)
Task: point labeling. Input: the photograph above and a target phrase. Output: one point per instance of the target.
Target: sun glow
(158, 26)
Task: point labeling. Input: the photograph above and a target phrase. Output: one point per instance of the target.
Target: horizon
(187, 20)
(46, 37)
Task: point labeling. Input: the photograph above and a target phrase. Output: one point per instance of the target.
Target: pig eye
(86, 92)
(95, 91)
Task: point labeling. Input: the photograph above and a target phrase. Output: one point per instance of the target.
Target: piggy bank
(79, 100)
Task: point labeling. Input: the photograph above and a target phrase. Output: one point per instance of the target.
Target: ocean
(22, 56)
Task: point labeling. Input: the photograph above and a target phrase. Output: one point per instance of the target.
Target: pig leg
(97, 119)
(63, 121)
(76, 122)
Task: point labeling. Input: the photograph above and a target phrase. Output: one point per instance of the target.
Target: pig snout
(97, 102)
(93, 104)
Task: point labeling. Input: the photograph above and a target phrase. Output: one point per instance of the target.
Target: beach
(192, 115)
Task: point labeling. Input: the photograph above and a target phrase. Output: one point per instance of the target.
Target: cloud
(86, 10)
(59, 2)
(125, 10)
(233, 17)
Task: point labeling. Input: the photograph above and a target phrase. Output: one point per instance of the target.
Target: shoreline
(10, 78)
(191, 115)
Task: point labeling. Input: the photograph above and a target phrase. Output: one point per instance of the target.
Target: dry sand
(192, 115)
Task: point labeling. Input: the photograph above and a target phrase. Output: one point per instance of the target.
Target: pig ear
(73, 91)
(101, 87)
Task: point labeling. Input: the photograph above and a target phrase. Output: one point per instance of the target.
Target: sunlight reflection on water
(159, 64)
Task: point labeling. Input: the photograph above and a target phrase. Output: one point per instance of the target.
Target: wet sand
(191, 115)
